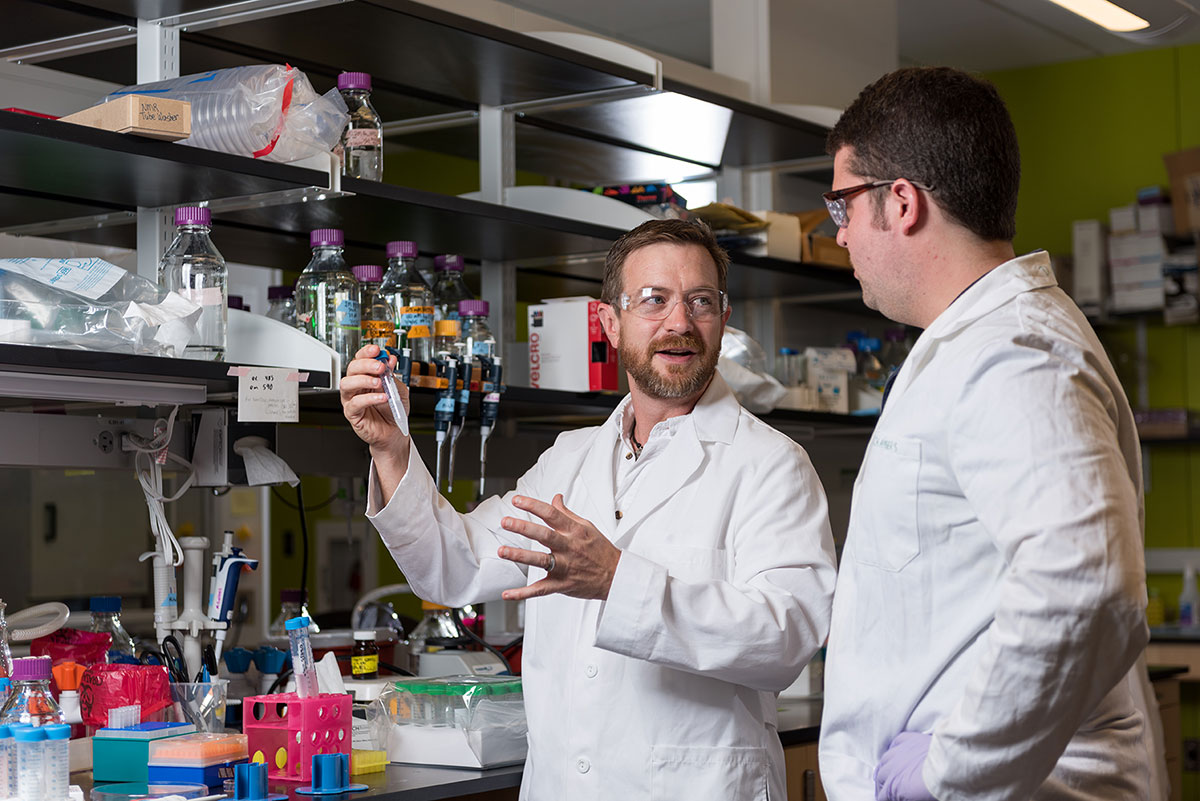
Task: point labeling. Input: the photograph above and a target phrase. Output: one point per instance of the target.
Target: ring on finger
(550, 567)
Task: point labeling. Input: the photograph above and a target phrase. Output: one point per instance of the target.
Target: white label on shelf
(88, 277)
(266, 395)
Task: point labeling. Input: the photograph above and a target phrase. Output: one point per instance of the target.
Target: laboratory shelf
(48, 373)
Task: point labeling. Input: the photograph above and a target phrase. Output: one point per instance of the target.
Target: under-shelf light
(1105, 14)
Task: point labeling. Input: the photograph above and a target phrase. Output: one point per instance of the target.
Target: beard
(679, 380)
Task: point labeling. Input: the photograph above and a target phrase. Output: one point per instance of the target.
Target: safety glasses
(835, 201)
(656, 303)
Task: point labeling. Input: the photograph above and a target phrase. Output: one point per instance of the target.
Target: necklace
(637, 446)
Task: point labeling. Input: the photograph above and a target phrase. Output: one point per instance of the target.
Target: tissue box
(567, 347)
(828, 374)
(155, 117)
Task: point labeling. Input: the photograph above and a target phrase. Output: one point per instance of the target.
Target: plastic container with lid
(364, 659)
(30, 700)
(411, 298)
(304, 667)
(31, 762)
(362, 140)
(281, 304)
(8, 763)
(106, 617)
(58, 761)
(198, 750)
(449, 289)
(327, 296)
(141, 791)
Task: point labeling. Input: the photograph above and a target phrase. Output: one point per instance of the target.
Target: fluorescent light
(1105, 14)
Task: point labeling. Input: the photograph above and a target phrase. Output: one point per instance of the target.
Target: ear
(610, 321)
(911, 205)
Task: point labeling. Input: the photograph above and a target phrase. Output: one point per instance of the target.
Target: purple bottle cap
(473, 308)
(236, 302)
(326, 237)
(31, 668)
(450, 261)
(355, 80)
(368, 273)
(291, 596)
(193, 215)
(280, 292)
(402, 250)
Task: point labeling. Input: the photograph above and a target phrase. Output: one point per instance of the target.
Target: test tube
(8, 763)
(393, 394)
(303, 666)
(31, 772)
(58, 762)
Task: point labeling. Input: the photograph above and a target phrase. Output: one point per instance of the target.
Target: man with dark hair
(990, 603)
(677, 560)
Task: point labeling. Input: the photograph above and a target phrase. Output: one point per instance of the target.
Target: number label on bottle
(416, 321)
(481, 349)
(363, 137)
(347, 314)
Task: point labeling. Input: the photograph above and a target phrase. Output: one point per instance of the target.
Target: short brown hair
(652, 232)
(945, 128)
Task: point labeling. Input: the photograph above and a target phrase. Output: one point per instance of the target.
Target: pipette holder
(287, 729)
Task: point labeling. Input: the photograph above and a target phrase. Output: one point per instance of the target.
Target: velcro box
(155, 117)
(568, 348)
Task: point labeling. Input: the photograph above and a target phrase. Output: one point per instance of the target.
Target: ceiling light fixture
(1105, 14)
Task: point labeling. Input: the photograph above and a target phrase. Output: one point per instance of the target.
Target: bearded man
(678, 558)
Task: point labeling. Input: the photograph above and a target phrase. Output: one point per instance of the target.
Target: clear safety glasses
(835, 201)
(656, 303)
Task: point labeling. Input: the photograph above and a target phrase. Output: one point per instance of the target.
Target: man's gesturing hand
(581, 562)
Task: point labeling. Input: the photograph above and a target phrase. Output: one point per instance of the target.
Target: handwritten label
(267, 396)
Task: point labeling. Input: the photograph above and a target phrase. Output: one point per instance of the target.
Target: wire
(148, 469)
(303, 543)
(457, 615)
(314, 508)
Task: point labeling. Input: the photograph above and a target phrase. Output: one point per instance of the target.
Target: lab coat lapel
(596, 477)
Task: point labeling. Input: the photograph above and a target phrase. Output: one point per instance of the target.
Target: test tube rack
(285, 731)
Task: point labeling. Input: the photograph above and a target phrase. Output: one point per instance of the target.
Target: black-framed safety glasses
(835, 201)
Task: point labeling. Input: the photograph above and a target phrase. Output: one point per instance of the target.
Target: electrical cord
(314, 508)
(457, 615)
(149, 456)
(303, 543)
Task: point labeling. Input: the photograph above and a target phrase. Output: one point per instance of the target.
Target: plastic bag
(743, 365)
(266, 111)
(105, 687)
(71, 645)
(92, 305)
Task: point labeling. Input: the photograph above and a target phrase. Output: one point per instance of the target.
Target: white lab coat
(722, 595)
(992, 587)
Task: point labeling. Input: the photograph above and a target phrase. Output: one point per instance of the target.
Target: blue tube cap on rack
(29, 734)
(297, 623)
(57, 731)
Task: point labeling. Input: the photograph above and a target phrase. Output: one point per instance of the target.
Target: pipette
(460, 418)
(443, 414)
(222, 588)
(489, 410)
(393, 392)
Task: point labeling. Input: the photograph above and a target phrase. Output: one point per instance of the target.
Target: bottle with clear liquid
(412, 298)
(378, 318)
(447, 340)
(362, 140)
(327, 296)
(292, 604)
(870, 370)
(437, 624)
(30, 700)
(106, 617)
(193, 267)
(282, 304)
(476, 337)
(449, 288)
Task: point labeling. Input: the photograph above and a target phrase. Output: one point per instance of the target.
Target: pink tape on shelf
(296, 377)
(238, 372)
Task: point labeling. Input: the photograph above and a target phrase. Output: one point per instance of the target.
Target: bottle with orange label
(378, 317)
(412, 298)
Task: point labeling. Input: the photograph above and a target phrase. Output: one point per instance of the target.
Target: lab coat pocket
(708, 774)
(884, 530)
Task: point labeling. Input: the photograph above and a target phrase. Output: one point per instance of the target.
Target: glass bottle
(30, 700)
(282, 304)
(193, 267)
(237, 302)
(446, 339)
(327, 296)
(378, 318)
(106, 617)
(437, 624)
(364, 658)
(292, 604)
(789, 367)
(412, 298)
(362, 140)
(870, 370)
(449, 288)
(476, 336)
(5, 651)
(895, 349)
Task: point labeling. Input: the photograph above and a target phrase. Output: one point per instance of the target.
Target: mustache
(679, 342)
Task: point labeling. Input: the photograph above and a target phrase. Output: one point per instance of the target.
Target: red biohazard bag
(71, 645)
(105, 687)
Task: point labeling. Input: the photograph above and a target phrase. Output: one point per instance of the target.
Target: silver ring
(550, 569)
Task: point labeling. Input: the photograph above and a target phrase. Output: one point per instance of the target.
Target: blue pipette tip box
(147, 731)
(121, 755)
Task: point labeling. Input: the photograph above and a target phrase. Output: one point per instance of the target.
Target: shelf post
(497, 172)
(157, 60)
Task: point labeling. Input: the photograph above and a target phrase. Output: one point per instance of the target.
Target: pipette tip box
(202, 758)
(122, 755)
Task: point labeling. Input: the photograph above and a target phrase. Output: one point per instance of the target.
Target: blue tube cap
(29, 734)
(57, 731)
(6, 733)
(297, 623)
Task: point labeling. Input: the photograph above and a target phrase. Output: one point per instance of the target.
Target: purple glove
(898, 775)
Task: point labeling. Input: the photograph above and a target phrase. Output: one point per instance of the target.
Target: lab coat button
(629, 456)
(583, 766)
(591, 671)
(619, 515)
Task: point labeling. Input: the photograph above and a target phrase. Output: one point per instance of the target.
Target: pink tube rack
(285, 730)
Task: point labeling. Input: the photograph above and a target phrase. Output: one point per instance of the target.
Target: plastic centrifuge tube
(58, 762)
(393, 394)
(303, 666)
(8, 763)
(31, 773)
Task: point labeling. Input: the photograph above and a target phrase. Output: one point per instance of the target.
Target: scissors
(208, 665)
(172, 653)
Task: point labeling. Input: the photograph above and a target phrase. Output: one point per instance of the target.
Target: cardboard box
(1135, 264)
(828, 372)
(1155, 218)
(567, 347)
(783, 236)
(1123, 219)
(826, 250)
(1090, 270)
(1185, 198)
(155, 117)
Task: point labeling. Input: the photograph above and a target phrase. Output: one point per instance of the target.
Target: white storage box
(828, 374)
(568, 348)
